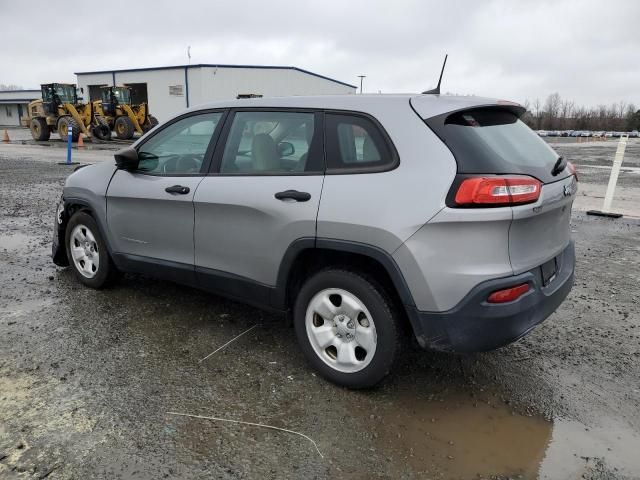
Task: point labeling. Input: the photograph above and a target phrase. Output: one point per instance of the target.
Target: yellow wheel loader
(59, 110)
(123, 117)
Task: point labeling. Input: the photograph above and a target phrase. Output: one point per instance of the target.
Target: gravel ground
(87, 378)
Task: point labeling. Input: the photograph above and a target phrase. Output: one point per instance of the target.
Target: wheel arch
(73, 205)
(305, 256)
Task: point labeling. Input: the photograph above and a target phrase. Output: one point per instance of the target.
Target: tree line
(5, 87)
(556, 113)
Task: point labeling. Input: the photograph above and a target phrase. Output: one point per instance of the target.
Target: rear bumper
(475, 325)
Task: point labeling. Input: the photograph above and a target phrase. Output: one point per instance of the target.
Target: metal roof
(212, 65)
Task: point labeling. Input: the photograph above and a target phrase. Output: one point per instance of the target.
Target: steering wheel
(171, 164)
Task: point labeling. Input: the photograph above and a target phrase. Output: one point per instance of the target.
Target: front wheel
(124, 128)
(64, 124)
(347, 328)
(87, 252)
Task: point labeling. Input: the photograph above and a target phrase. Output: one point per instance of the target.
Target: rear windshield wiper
(559, 166)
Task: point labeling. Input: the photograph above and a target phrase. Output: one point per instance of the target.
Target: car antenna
(436, 91)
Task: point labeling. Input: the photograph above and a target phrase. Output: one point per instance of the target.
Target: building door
(138, 93)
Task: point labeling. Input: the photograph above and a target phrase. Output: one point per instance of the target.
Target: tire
(150, 123)
(64, 123)
(92, 265)
(124, 128)
(39, 129)
(102, 130)
(369, 343)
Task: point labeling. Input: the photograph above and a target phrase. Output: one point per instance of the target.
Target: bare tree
(537, 106)
(551, 111)
(559, 114)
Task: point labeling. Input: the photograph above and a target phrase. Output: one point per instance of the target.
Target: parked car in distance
(543, 133)
(366, 219)
(576, 133)
(586, 133)
(609, 134)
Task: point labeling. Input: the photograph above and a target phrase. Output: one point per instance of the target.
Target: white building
(168, 90)
(13, 105)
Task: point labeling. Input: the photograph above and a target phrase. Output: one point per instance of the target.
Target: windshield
(122, 95)
(66, 93)
(495, 141)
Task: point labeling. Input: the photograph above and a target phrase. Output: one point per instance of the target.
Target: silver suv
(364, 217)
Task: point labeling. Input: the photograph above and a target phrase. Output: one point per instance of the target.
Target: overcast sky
(588, 51)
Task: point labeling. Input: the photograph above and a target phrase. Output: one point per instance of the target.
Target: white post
(615, 171)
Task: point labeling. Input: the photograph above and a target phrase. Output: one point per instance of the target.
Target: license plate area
(548, 271)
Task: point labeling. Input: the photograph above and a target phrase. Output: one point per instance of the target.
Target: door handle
(293, 195)
(179, 189)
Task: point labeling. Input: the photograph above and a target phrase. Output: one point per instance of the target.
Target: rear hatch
(491, 141)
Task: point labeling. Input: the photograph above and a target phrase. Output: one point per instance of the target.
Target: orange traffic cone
(81, 141)
(5, 137)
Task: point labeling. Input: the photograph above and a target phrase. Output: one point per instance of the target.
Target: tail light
(572, 170)
(508, 294)
(498, 191)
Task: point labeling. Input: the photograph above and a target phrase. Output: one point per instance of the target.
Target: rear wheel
(39, 129)
(64, 124)
(347, 328)
(87, 252)
(124, 128)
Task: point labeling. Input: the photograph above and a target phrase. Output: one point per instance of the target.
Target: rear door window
(495, 141)
(356, 143)
(276, 142)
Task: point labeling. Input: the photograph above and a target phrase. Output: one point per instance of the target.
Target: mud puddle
(459, 436)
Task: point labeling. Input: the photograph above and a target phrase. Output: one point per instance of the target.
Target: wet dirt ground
(88, 378)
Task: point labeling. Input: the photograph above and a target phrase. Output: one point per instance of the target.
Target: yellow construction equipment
(121, 115)
(59, 110)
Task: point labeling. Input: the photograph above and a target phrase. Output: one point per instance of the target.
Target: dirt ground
(88, 378)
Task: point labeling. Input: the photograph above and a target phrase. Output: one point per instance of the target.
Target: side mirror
(127, 158)
(286, 149)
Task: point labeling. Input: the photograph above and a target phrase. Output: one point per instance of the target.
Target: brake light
(508, 294)
(499, 191)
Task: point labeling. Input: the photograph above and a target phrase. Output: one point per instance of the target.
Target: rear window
(495, 141)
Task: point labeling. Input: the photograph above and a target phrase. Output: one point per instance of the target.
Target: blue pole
(69, 139)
